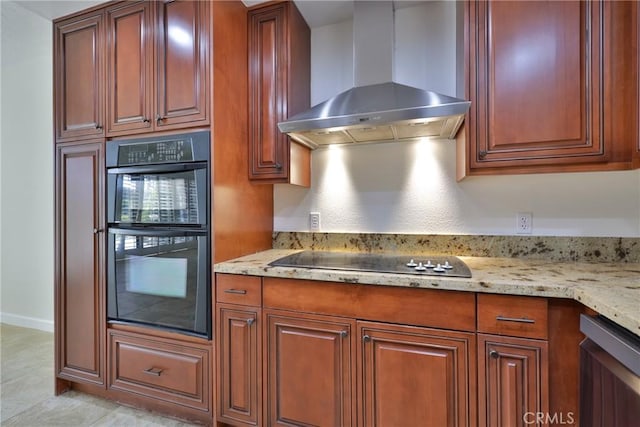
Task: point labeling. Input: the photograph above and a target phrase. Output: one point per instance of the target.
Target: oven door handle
(166, 232)
(162, 168)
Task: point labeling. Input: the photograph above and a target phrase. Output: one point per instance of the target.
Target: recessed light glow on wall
(426, 167)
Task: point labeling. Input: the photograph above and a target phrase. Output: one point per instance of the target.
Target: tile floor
(26, 390)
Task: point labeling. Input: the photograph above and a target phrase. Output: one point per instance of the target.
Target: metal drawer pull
(494, 354)
(343, 334)
(515, 319)
(250, 322)
(235, 291)
(366, 338)
(153, 371)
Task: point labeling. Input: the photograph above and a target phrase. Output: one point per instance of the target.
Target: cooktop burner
(382, 263)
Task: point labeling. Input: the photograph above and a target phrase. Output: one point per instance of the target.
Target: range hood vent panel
(387, 111)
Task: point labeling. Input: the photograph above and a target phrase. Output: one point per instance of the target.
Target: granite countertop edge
(611, 289)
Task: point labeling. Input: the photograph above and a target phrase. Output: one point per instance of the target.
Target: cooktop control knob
(438, 269)
(429, 265)
(447, 266)
(411, 263)
(420, 267)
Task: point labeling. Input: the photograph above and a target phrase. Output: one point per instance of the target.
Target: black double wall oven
(158, 214)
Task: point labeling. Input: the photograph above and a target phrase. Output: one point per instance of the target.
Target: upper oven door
(169, 194)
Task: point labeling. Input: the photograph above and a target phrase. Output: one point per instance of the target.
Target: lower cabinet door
(239, 365)
(159, 368)
(513, 386)
(310, 370)
(412, 376)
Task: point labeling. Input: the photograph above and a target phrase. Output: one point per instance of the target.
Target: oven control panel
(177, 150)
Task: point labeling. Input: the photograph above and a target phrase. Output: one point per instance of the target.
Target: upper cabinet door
(79, 77)
(545, 80)
(129, 68)
(279, 87)
(182, 64)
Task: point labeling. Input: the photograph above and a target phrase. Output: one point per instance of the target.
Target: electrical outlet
(524, 222)
(314, 221)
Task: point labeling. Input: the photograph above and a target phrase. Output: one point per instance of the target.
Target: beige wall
(26, 169)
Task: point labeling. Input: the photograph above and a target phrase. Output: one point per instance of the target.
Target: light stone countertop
(611, 289)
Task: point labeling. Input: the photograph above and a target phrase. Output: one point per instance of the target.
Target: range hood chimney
(377, 109)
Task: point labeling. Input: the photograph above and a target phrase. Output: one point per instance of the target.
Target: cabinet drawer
(418, 307)
(237, 289)
(160, 368)
(512, 315)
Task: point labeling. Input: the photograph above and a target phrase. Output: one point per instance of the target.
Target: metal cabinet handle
(97, 230)
(145, 120)
(250, 322)
(366, 338)
(98, 127)
(494, 354)
(344, 334)
(235, 291)
(153, 371)
(514, 319)
(482, 154)
(278, 166)
(160, 118)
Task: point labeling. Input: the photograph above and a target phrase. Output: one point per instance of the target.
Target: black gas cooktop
(450, 266)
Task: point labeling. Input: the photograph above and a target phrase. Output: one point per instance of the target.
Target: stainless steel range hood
(377, 109)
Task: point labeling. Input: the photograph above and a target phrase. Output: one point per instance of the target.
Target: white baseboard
(26, 322)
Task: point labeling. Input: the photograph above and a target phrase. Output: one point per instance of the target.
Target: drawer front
(160, 369)
(511, 315)
(418, 307)
(237, 289)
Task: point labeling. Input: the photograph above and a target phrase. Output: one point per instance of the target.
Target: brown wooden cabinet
(158, 66)
(129, 68)
(80, 283)
(79, 55)
(239, 343)
(310, 370)
(239, 364)
(513, 359)
(512, 380)
(415, 376)
(165, 370)
(553, 87)
(279, 87)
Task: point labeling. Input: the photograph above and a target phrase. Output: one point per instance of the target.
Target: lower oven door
(159, 277)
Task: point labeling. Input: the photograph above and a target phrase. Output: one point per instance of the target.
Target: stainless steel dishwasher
(609, 374)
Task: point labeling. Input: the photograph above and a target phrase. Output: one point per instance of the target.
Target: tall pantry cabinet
(80, 280)
(145, 68)
(79, 57)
